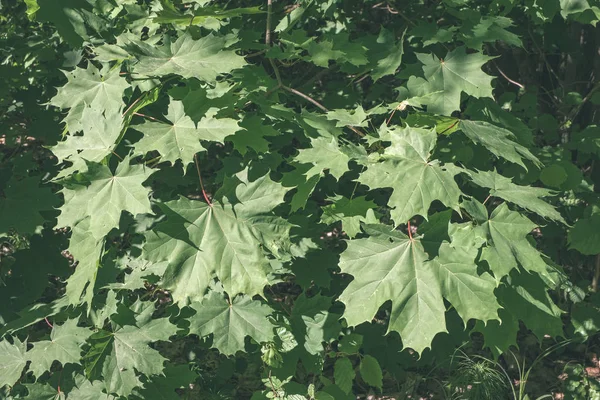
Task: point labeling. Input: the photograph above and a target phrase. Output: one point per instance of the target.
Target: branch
(508, 79)
(200, 179)
(596, 274)
(305, 97)
(268, 43)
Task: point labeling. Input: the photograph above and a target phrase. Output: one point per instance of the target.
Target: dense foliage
(312, 200)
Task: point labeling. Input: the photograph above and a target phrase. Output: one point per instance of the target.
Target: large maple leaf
(102, 90)
(228, 241)
(391, 266)
(204, 58)
(21, 203)
(100, 131)
(231, 322)
(415, 179)
(120, 354)
(180, 139)
(506, 234)
(527, 197)
(456, 73)
(65, 345)
(106, 197)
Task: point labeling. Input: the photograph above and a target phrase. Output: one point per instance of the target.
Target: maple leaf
(14, 360)
(525, 299)
(405, 167)
(100, 133)
(356, 117)
(471, 293)
(491, 29)
(325, 154)
(204, 59)
(585, 235)
(22, 203)
(456, 73)
(506, 232)
(393, 52)
(65, 345)
(118, 354)
(200, 241)
(180, 140)
(231, 322)
(498, 141)
(390, 266)
(87, 251)
(164, 387)
(86, 390)
(351, 212)
(101, 90)
(106, 197)
(417, 310)
(527, 197)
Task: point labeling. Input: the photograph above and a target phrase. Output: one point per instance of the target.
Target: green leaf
(68, 18)
(391, 62)
(508, 246)
(585, 235)
(351, 212)
(100, 133)
(470, 293)
(370, 371)
(22, 205)
(568, 7)
(199, 17)
(180, 139)
(204, 59)
(527, 197)
(117, 355)
(456, 73)
(87, 390)
(164, 387)
(388, 266)
(106, 197)
(231, 322)
(491, 29)
(14, 360)
(39, 391)
(343, 373)
(101, 90)
(325, 154)
(415, 179)
(201, 241)
(497, 140)
(64, 346)
(355, 117)
(87, 251)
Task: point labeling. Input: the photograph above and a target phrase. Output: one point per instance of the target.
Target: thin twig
(48, 322)
(596, 274)
(118, 156)
(200, 179)
(508, 79)
(305, 97)
(134, 103)
(268, 32)
(409, 230)
(486, 199)
(147, 116)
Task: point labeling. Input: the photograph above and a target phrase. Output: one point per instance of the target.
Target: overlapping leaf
(230, 322)
(204, 59)
(415, 179)
(201, 241)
